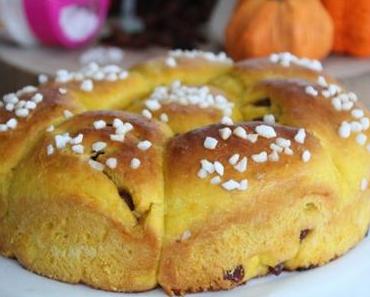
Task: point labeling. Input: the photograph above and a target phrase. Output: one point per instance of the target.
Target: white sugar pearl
(99, 124)
(243, 185)
(311, 91)
(219, 168)
(153, 105)
(62, 91)
(96, 165)
(3, 128)
(274, 58)
(186, 235)
(234, 159)
(30, 105)
(171, 62)
(78, 148)
(266, 131)
(210, 143)
(274, 156)
(78, 139)
(50, 128)
(135, 163)
(252, 137)
(322, 81)
(306, 156)
(87, 85)
(117, 137)
(144, 145)
(344, 130)
(216, 180)
(283, 142)
(43, 79)
(356, 126)
(111, 163)
(9, 106)
(225, 133)
(227, 121)
(50, 149)
(241, 166)
(276, 148)
(207, 166)
(202, 173)
(365, 123)
(22, 112)
(37, 98)
(269, 119)
(12, 123)
(123, 75)
(260, 158)
(146, 113)
(300, 136)
(347, 105)
(288, 151)
(62, 140)
(361, 139)
(98, 146)
(230, 185)
(26, 90)
(163, 117)
(326, 93)
(10, 98)
(67, 114)
(240, 132)
(357, 113)
(337, 103)
(117, 123)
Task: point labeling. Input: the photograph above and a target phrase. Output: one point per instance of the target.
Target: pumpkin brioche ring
(127, 200)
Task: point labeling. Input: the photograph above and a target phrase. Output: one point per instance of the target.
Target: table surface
(355, 73)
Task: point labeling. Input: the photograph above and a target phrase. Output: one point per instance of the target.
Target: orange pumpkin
(351, 26)
(261, 27)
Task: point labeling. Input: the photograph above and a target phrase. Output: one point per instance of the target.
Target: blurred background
(42, 36)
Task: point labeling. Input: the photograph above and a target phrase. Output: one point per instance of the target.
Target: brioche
(186, 171)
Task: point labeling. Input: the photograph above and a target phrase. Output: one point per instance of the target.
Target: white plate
(347, 276)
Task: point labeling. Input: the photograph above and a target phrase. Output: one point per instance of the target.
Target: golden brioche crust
(125, 201)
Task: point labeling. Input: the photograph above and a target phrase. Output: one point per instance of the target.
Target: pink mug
(67, 23)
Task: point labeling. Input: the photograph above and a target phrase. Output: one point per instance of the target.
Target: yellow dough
(187, 171)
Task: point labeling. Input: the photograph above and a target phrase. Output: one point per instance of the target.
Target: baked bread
(125, 180)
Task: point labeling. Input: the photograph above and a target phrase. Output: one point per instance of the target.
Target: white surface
(344, 277)
(12, 15)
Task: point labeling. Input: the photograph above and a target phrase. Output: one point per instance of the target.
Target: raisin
(235, 275)
(276, 270)
(304, 234)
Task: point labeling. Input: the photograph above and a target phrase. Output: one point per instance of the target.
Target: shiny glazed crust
(97, 216)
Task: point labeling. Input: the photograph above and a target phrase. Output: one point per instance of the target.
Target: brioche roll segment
(106, 95)
(49, 108)
(282, 199)
(319, 116)
(246, 74)
(121, 202)
(194, 71)
(186, 107)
